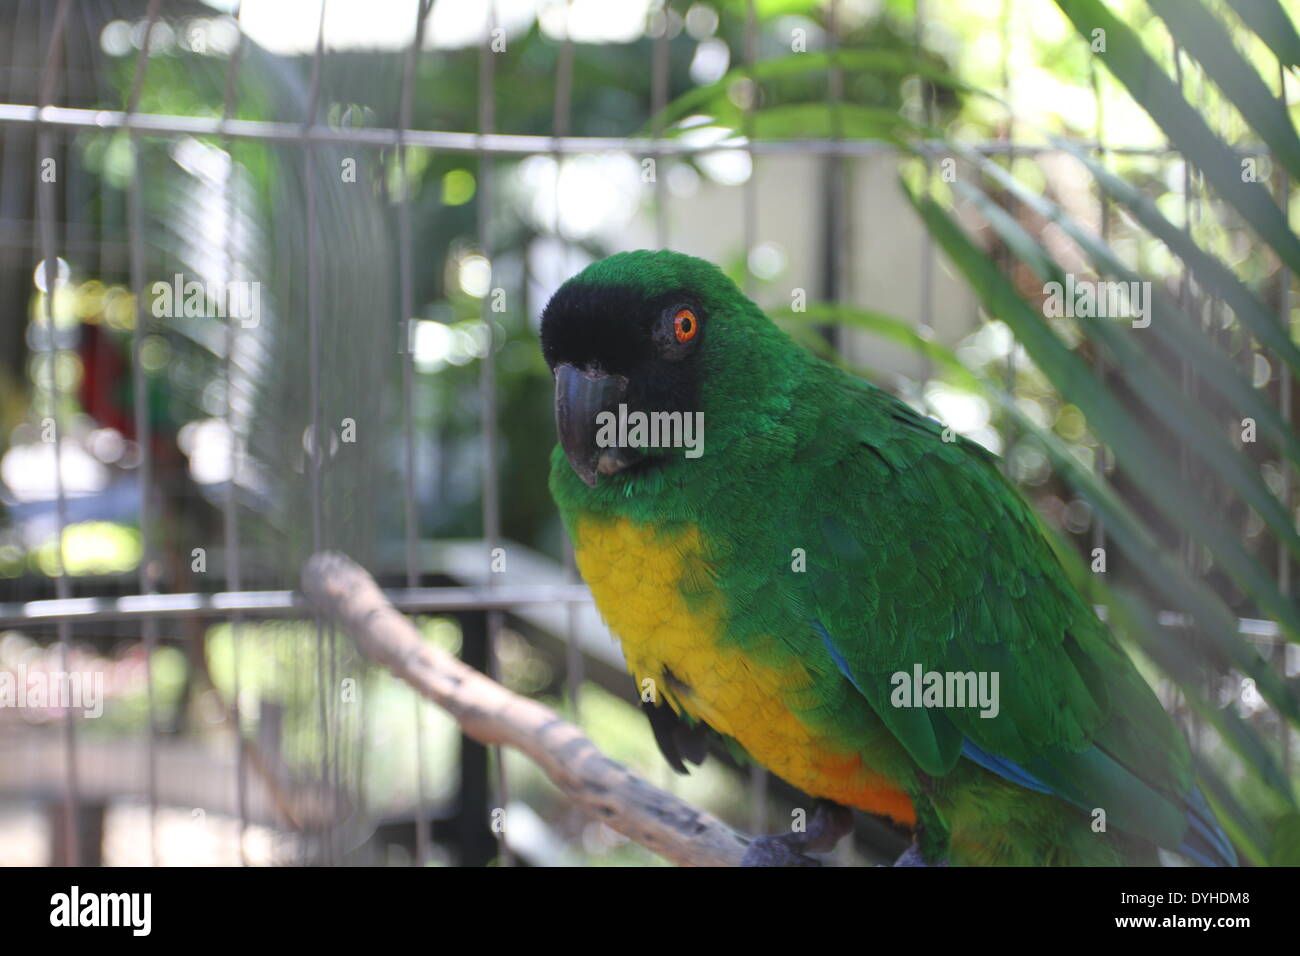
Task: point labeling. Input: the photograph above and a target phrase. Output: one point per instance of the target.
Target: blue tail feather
(1205, 842)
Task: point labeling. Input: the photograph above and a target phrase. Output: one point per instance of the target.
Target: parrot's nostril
(614, 460)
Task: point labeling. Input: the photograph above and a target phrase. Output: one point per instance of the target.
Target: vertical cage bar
(1186, 545)
(314, 387)
(229, 513)
(561, 122)
(1285, 399)
(749, 192)
(1011, 371)
(62, 585)
(405, 320)
(1103, 228)
(658, 102)
(148, 571)
(488, 388)
(837, 234)
(927, 244)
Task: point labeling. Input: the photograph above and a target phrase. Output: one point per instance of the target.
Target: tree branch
(491, 714)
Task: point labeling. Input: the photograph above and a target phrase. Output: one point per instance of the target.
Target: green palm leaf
(1273, 26)
(1211, 273)
(1150, 382)
(1129, 62)
(1115, 426)
(1205, 38)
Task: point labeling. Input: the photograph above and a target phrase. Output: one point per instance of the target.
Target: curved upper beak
(581, 395)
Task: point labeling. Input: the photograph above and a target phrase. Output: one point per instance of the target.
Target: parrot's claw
(779, 850)
(912, 856)
(829, 824)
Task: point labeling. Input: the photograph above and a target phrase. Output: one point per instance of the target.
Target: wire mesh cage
(266, 298)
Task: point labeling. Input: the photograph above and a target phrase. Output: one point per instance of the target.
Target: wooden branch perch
(491, 714)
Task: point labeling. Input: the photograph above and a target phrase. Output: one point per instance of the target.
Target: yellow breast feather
(635, 572)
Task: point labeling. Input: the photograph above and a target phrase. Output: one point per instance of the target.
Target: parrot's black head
(625, 335)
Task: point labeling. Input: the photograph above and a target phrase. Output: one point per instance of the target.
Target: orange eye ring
(685, 325)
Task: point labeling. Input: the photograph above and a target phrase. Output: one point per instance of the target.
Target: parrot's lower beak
(581, 395)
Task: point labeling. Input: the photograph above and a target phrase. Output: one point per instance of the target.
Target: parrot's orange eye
(685, 325)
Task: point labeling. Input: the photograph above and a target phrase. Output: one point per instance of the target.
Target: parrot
(843, 591)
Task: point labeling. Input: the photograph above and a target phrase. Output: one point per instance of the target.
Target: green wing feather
(924, 554)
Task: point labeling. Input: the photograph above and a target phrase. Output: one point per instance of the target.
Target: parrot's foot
(829, 824)
(912, 856)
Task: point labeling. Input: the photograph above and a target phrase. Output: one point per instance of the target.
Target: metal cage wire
(237, 604)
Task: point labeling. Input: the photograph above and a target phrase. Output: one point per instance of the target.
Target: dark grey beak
(580, 396)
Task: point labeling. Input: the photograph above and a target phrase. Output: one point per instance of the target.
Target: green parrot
(798, 562)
